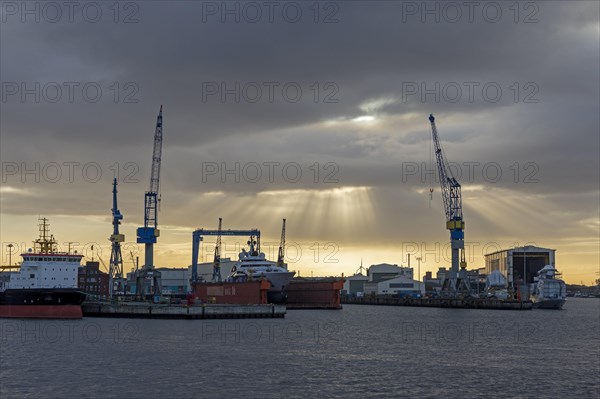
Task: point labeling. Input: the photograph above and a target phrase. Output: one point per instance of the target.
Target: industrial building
(400, 285)
(384, 271)
(517, 262)
(355, 285)
(174, 281)
(383, 279)
(92, 280)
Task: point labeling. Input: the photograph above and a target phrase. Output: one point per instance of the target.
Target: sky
(316, 112)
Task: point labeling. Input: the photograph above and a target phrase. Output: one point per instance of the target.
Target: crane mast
(116, 258)
(281, 254)
(217, 260)
(148, 234)
(452, 198)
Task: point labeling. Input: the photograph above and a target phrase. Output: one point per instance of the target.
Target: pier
(143, 310)
(458, 303)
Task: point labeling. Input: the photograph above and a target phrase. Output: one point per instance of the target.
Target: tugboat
(252, 265)
(45, 285)
(548, 291)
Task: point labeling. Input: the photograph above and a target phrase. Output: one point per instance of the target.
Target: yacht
(548, 291)
(253, 265)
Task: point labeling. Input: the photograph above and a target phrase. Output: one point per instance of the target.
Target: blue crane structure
(148, 234)
(198, 235)
(116, 258)
(452, 198)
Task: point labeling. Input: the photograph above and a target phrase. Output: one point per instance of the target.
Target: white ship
(548, 291)
(253, 265)
(45, 286)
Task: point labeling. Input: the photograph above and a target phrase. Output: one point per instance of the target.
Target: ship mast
(46, 240)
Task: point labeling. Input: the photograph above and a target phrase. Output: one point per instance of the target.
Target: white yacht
(253, 265)
(548, 291)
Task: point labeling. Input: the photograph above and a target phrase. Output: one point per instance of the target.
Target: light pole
(419, 271)
(525, 268)
(10, 247)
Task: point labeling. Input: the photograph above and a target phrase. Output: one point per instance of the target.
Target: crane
(115, 271)
(135, 260)
(198, 237)
(281, 254)
(452, 198)
(148, 234)
(217, 260)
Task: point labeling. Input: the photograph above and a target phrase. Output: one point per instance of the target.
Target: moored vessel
(253, 265)
(45, 286)
(548, 291)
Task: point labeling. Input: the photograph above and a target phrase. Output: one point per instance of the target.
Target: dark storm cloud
(374, 52)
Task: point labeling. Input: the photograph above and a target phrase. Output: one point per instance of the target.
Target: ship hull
(549, 304)
(276, 297)
(41, 303)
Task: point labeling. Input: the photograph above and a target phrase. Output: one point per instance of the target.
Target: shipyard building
(384, 279)
(517, 262)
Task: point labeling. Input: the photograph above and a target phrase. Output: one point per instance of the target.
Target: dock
(457, 303)
(142, 310)
(314, 293)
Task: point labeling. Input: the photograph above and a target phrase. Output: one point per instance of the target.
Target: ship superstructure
(548, 291)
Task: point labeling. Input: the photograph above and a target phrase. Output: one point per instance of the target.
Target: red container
(246, 293)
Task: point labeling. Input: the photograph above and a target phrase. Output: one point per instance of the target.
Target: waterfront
(360, 351)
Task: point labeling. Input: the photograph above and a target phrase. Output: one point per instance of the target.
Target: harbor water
(357, 352)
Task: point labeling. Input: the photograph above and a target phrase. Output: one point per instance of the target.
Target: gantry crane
(198, 236)
(281, 254)
(148, 234)
(451, 195)
(217, 259)
(115, 269)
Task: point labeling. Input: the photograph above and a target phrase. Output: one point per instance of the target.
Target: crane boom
(451, 190)
(452, 198)
(217, 258)
(153, 194)
(281, 254)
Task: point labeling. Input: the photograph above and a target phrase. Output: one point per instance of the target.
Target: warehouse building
(400, 285)
(516, 263)
(355, 285)
(386, 271)
(384, 279)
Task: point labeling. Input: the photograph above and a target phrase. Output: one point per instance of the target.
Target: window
(32, 275)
